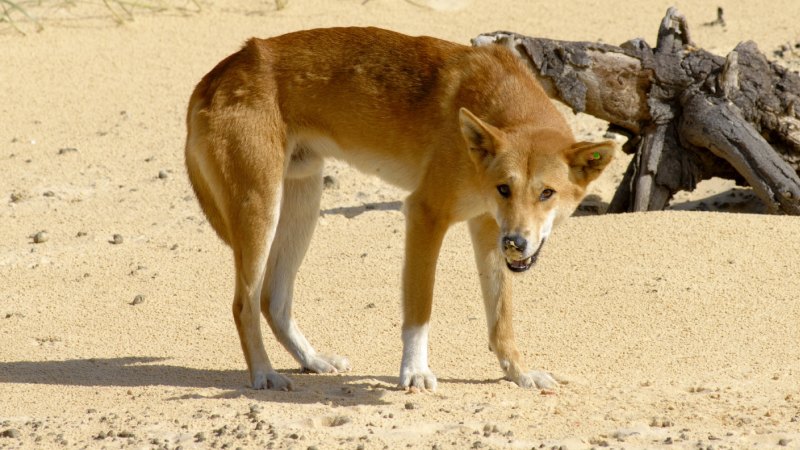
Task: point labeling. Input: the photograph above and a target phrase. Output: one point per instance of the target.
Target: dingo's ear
(588, 159)
(481, 138)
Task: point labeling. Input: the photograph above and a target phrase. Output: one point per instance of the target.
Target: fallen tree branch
(690, 115)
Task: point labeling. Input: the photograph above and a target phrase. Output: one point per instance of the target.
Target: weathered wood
(720, 128)
(690, 115)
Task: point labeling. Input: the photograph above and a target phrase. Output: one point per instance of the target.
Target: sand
(677, 329)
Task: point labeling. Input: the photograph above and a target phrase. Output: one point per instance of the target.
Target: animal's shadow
(353, 211)
(339, 389)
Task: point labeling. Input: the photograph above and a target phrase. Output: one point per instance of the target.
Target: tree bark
(689, 115)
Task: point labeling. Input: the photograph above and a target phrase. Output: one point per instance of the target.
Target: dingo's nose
(517, 243)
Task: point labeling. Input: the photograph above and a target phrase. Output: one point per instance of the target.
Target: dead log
(689, 114)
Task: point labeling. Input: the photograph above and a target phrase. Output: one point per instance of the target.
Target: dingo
(468, 131)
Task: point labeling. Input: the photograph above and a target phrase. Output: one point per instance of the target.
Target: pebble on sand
(660, 422)
(10, 433)
(41, 237)
(138, 300)
(329, 182)
(116, 239)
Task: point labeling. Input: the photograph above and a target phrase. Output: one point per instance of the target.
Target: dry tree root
(689, 115)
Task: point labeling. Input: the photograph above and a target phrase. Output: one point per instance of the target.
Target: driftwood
(689, 115)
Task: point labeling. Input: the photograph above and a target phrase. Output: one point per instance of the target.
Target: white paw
(422, 379)
(327, 364)
(271, 380)
(538, 379)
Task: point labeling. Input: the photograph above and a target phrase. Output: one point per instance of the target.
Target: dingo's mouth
(522, 265)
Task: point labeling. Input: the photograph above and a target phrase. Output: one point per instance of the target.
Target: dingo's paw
(419, 379)
(537, 379)
(327, 364)
(271, 380)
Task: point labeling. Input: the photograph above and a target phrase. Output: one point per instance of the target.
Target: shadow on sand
(340, 389)
(353, 211)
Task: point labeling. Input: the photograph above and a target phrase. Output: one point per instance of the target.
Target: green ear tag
(596, 155)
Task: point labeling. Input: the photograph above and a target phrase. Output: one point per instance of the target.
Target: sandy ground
(677, 329)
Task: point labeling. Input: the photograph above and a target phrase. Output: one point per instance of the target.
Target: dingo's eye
(546, 194)
(504, 190)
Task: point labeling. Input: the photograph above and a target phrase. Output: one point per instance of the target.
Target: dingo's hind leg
(238, 182)
(298, 218)
(254, 236)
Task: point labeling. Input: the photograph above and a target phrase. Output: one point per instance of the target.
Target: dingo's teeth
(520, 265)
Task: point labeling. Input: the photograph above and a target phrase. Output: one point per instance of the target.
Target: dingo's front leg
(496, 287)
(424, 234)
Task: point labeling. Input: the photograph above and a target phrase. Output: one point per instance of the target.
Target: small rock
(200, 437)
(11, 433)
(16, 196)
(162, 174)
(81, 234)
(41, 237)
(370, 305)
(49, 194)
(116, 239)
(138, 300)
(339, 421)
(660, 422)
(410, 405)
(294, 436)
(784, 442)
(125, 434)
(329, 182)
(65, 150)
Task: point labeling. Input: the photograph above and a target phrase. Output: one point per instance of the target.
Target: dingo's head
(533, 177)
